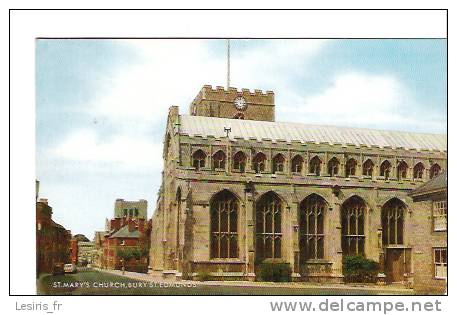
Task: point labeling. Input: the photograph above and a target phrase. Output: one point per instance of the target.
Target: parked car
(69, 268)
(57, 269)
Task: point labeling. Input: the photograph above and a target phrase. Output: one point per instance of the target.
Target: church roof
(436, 184)
(307, 133)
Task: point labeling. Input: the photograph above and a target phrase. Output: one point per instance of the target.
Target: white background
(27, 25)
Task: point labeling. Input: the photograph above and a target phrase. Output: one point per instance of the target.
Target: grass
(86, 282)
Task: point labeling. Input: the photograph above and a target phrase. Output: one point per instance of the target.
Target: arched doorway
(397, 256)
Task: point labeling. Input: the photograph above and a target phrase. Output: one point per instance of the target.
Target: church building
(239, 188)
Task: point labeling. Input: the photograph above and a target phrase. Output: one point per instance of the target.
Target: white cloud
(171, 72)
(123, 150)
(355, 98)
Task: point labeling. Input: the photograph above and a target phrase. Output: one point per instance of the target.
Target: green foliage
(126, 254)
(203, 276)
(359, 269)
(275, 271)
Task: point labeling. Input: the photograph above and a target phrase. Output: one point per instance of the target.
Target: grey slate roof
(282, 131)
(124, 232)
(436, 184)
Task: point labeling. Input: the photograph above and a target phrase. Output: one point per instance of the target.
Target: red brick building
(52, 239)
(127, 245)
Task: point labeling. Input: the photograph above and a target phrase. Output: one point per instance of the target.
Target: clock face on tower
(240, 103)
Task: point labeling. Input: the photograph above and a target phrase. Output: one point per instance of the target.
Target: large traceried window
(402, 170)
(434, 170)
(392, 218)
(219, 160)
(198, 159)
(315, 166)
(239, 162)
(418, 171)
(440, 215)
(351, 166)
(440, 261)
(258, 162)
(297, 164)
(278, 163)
(224, 225)
(268, 227)
(353, 226)
(333, 166)
(311, 218)
(384, 169)
(368, 167)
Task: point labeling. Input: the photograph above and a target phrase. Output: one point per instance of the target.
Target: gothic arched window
(311, 218)
(384, 169)
(435, 170)
(315, 166)
(368, 167)
(392, 218)
(239, 161)
(198, 159)
(258, 162)
(268, 227)
(219, 160)
(402, 170)
(297, 164)
(418, 171)
(224, 225)
(333, 166)
(278, 163)
(351, 166)
(353, 226)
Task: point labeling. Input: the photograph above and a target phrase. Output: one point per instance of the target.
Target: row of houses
(52, 239)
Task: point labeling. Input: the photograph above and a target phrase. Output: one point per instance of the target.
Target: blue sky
(102, 104)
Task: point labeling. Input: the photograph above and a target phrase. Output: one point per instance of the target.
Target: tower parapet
(234, 103)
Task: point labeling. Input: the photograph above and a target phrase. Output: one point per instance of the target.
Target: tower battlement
(219, 93)
(221, 102)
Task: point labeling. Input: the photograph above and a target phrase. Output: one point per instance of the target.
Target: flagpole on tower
(228, 64)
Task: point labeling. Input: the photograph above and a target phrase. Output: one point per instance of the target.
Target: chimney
(141, 226)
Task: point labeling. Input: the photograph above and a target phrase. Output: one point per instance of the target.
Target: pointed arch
(353, 213)
(351, 166)
(368, 167)
(219, 160)
(268, 226)
(333, 166)
(239, 161)
(418, 170)
(402, 170)
(435, 170)
(297, 164)
(315, 165)
(312, 211)
(278, 163)
(199, 159)
(258, 162)
(384, 169)
(392, 219)
(224, 208)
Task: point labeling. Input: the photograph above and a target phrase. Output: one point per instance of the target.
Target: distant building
(126, 245)
(74, 250)
(430, 235)
(98, 248)
(85, 252)
(131, 209)
(52, 239)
